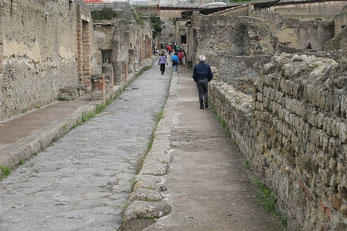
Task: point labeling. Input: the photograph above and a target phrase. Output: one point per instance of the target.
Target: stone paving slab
(82, 181)
(25, 135)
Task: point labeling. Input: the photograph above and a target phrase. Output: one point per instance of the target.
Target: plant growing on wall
(103, 14)
(156, 24)
(137, 17)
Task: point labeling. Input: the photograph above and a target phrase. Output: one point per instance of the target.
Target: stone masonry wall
(39, 52)
(295, 136)
(300, 113)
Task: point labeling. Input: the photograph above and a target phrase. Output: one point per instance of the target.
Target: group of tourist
(178, 57)
(202, 73)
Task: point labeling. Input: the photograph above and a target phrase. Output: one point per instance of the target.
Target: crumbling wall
(234, 67)
(339, 42)
(131, 44)
(295, 136)
(234, 46)
(310, 11)
(340, 20)
(39, 52)
(235, 11)
(295, 33)
(168, 30)
(103, 35)
(1, 55)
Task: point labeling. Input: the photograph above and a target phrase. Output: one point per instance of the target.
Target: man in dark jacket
(202, 75)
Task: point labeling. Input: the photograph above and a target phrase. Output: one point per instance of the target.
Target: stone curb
(23, 149)
(146, 201)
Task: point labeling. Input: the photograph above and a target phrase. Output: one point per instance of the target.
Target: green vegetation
(221, 121)
(247, 165)
(267, 199)
(101, 107)
(149, 146)
(156, 24)
(137, 17)
(103, 14)
(61, 98)
(133, 183)
(5, 170)
(22, 161)
(150, 217)
(24, 111)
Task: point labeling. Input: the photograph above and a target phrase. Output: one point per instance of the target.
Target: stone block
(98, 87)
(71, 92)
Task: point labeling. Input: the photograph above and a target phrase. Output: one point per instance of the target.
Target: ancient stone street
(84, 147)
(82, 182)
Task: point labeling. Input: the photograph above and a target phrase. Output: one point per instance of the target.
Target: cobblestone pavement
(83, 180)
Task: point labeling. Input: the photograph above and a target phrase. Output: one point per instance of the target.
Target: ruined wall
(234, 67)
(295, 136)
(39, 52)
(340, 20)
(131, 44)
(339, 42)
(235, 11)
(322, 10)
(295, 33)
(1, 56)
(103, 35)
(168, 30)
(234, 46)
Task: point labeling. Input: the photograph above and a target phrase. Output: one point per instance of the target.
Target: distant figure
(180, 56)
(177, 47)
(162, 61)
(309, 47)
(202, 75)
(174, 62)
(184, 57)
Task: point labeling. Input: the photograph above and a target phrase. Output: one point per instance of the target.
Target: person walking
(174, 60)
(180, 57)
(202, 75)
(162, 61)
(184, 57)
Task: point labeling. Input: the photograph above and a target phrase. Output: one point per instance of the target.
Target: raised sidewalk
(194, 178)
